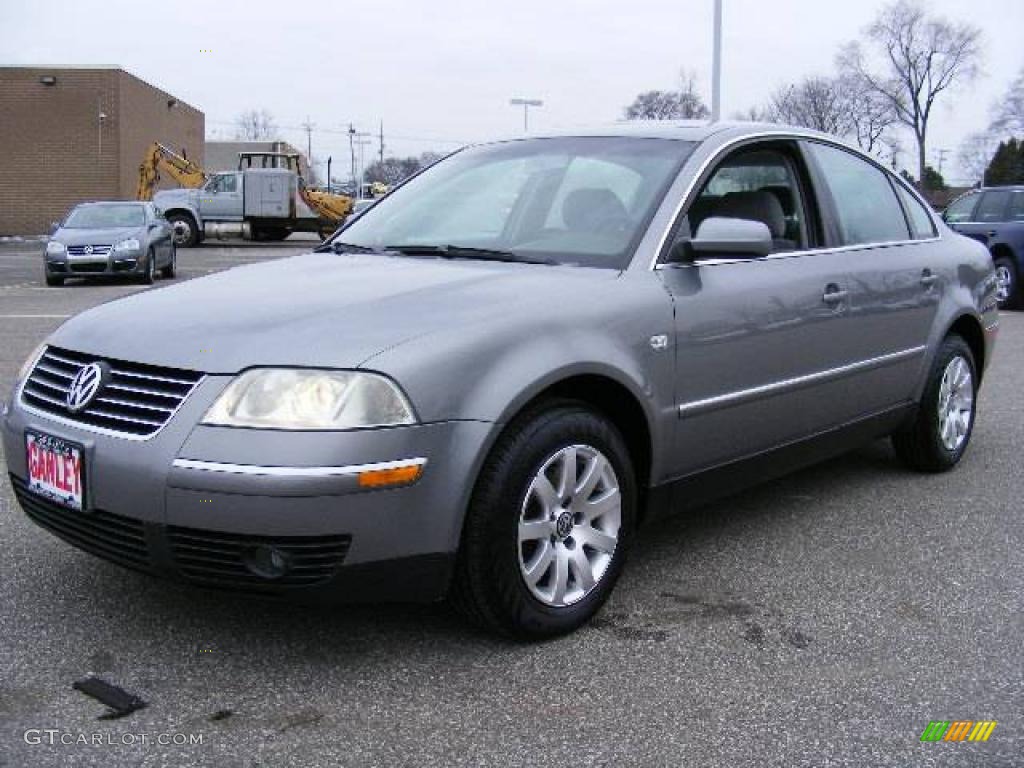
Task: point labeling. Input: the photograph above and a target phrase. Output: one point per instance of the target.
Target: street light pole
(716, 66)
(526, 104)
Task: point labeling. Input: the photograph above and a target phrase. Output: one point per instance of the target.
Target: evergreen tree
(1007, 166)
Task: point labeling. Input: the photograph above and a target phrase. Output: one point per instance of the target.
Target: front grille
(219, 559)
(112, 537)
(137, 399)
(97, 250)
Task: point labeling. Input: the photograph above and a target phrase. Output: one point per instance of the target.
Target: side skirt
(707, 485)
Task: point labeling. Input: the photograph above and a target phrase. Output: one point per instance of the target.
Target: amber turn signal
(379, 478)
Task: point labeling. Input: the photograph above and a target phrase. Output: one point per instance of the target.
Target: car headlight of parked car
(131, 244)
(276, 398)
(53, 248)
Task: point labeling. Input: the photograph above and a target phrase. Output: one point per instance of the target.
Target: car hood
(317, 309)
(99, 236)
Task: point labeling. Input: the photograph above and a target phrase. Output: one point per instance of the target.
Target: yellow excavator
(162, 158)
(223, 209)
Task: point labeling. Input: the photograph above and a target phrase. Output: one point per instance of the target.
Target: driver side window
(759, 185)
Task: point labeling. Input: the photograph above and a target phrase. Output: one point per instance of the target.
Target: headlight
(127, 245)
(277, 398)
(54, 248)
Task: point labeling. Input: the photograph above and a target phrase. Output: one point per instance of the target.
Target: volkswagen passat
(104, 239)
(485, 383)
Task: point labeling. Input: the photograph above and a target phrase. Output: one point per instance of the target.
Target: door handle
(834, 294)
(928, 278)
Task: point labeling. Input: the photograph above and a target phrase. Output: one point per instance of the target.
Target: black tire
(488, 587)
(186, 233)
(171, 269)
(1005, 265)
(54, 281)
(919, 443)
(148, 274)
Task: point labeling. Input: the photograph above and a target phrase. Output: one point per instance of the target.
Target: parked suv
(994, 216)
(483, 384)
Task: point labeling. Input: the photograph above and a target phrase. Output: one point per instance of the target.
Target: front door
(221, 198)
(758, 340)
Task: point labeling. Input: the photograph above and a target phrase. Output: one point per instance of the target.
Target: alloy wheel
(569, 525)
(1004, 280)
(956, 403)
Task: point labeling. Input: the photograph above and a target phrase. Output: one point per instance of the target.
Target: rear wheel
(1007, 285)
(937, 438)
(186, 233)
(549, 525)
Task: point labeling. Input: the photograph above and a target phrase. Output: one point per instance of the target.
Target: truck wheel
(1008, 292)
(186, 233)
(549, 524)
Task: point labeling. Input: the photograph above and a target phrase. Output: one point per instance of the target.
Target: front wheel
(1007, 287)
(549, 525)
(148, 274)
(171, 269)
(186, 232)
(937, 438)
(53, 281)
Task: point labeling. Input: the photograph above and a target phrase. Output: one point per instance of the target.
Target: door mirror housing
(721, 238)
(54, 226)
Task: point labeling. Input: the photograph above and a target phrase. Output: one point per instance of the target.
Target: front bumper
(194, 503)
(114, 264)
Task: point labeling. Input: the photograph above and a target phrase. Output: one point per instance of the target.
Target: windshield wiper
(339, 247)
(465, 252)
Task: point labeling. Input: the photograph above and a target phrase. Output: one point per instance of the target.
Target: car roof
(111, 202)
(683, 130)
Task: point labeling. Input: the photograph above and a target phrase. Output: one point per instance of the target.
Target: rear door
(757, 339)
(887, 243)
(988, 219)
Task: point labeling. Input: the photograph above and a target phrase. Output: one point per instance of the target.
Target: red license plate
(55, 469)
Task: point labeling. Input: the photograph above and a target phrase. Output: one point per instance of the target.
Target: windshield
(582, 201)
(106, 216)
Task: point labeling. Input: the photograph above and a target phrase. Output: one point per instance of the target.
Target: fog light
(267, 561)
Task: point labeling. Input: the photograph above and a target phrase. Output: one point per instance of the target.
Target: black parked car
(995, 216)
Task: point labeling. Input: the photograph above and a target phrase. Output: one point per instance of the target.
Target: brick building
(74, 134)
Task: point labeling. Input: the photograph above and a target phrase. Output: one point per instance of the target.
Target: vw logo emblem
(85, 386)
(87, 249)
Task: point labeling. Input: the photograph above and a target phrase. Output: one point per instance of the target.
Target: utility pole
(716, 66)
(352, 152)
(942, 158)
(526, 104)
(362, 142)
(309, 145)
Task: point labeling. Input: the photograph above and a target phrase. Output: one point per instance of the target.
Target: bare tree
(922, 56)
(870, 116)
(816, 102)
(683, 104)
(255, 125)
(975, 153)
(1008, 115)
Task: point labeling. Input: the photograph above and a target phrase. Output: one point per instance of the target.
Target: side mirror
(54, 226)
(723, 238)
(158, 213)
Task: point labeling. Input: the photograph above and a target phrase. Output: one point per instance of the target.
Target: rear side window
(920, 222)
(961, 209)
(1017, 206)
(865, 202)
(992, 206)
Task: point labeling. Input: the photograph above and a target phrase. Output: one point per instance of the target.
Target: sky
(441, 73)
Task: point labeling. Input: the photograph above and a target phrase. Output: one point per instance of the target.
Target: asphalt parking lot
(820, 620)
